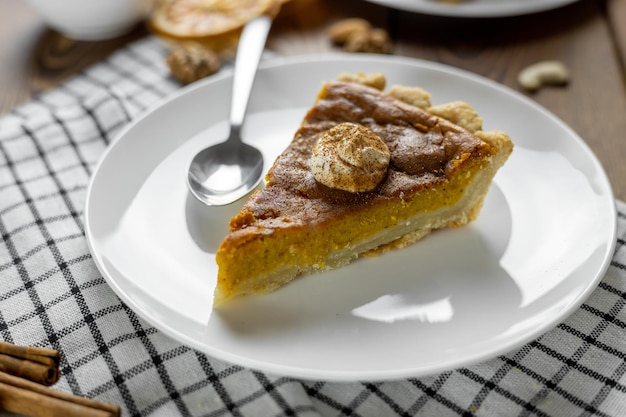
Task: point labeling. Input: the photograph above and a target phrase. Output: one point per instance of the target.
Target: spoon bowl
(223, 173)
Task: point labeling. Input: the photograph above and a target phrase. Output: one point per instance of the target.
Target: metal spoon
(223, 173)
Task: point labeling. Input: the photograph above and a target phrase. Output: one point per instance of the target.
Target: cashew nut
(543, 73)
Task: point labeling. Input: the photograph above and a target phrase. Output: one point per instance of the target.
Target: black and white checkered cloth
(52, 295)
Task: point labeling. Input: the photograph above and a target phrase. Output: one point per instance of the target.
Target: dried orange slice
(216, 23)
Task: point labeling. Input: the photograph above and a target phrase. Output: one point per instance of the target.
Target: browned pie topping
(425, 150)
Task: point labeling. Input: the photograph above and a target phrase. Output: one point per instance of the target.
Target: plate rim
(431, 7)
(342, 375)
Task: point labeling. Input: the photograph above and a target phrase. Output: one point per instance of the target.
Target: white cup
(92, 20)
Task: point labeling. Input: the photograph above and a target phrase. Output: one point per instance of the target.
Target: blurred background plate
(474, 8)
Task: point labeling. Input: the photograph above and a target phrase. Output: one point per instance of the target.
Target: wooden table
(589, 36)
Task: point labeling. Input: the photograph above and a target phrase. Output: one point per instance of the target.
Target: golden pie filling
(324, 207)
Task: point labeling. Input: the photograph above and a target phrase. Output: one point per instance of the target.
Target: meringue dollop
(350, 157)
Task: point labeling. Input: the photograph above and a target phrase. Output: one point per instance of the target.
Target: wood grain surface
(589, 36)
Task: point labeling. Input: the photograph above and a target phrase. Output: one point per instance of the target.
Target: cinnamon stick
(20, 396)
(37, 364)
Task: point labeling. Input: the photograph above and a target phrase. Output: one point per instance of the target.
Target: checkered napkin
(52, 295)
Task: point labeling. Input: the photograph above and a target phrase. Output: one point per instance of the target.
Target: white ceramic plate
(540, 246)
(475, 8)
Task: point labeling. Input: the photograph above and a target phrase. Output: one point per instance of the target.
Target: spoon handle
(249, 51)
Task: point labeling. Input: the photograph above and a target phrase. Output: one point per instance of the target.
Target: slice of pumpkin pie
(366, 172)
